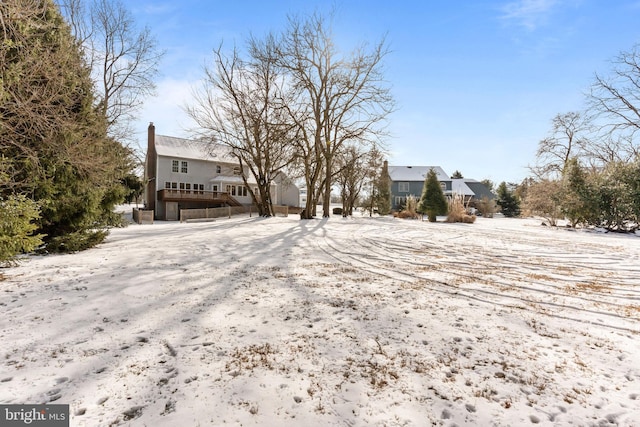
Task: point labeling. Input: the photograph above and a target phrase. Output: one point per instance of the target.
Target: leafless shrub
(458, 210)
(410, 209)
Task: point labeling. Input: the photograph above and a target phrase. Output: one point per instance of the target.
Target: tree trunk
(326, 203)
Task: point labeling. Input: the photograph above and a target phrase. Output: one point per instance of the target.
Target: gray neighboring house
(408, 181)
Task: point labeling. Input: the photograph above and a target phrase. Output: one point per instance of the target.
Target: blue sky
(477, 83)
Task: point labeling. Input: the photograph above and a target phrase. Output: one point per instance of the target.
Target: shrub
(17, 217)
(458, 211)
(486, 206)
(406, 214)
(410, 209)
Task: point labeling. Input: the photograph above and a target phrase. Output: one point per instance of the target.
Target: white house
(188, 174)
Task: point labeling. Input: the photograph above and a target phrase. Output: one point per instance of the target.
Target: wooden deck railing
(169, 195)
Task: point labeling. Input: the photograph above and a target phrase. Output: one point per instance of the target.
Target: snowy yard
(349, 322)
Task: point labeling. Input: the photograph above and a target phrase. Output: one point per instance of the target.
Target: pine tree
(509, 204)
(56, 139)
(578, 202)
(432, 201)
(383, 191)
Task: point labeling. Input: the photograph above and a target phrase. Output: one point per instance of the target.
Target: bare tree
(353, 173)
(123, 58)
(340, 100)
(543, 199)
(565, 141)
(239, 105)
(614, 101)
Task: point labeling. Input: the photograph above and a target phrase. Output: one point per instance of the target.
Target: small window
(174, 166)
(242, 191)
(167, 185)
(214, 188)
(403, 187)
(218, 169)
(183, 168)
(237, 170)
(443, 186)
(187, 187)
(182, 186)
(200, 187)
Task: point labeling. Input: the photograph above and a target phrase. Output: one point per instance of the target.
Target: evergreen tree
(508, 202)
(578, 202)
(17, 227)
(383, 191)
(56, 139)
(432, 201)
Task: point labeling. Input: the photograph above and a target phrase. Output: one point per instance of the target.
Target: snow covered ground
(349, 322)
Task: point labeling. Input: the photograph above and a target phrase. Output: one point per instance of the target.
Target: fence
(141, 216)
(210, 213)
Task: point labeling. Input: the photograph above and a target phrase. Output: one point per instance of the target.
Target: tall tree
(565, 141)
(56, 139)
(432, 202)
(123, 57)
(240, 106)
(614, 101)
(341, 99)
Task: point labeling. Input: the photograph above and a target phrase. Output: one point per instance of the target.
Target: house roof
(479, 189)
(459, 186)
(416, 173)
(171, 146)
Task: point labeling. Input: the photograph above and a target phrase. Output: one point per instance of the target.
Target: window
(200, 188)
(237, 170)
(181, 186)
(443, 186)
(403, 187)
(174, 166)
(214, 188)
(218, 169)
(167, 185)
(242, 191)
(233, 190)
(187, 187)
(183, 168)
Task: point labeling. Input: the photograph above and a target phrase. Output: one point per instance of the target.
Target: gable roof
(459, 186)
(171, 146)
(480, 190)
(415, 173)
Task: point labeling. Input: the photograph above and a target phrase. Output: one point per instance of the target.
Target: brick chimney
(150, 168)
